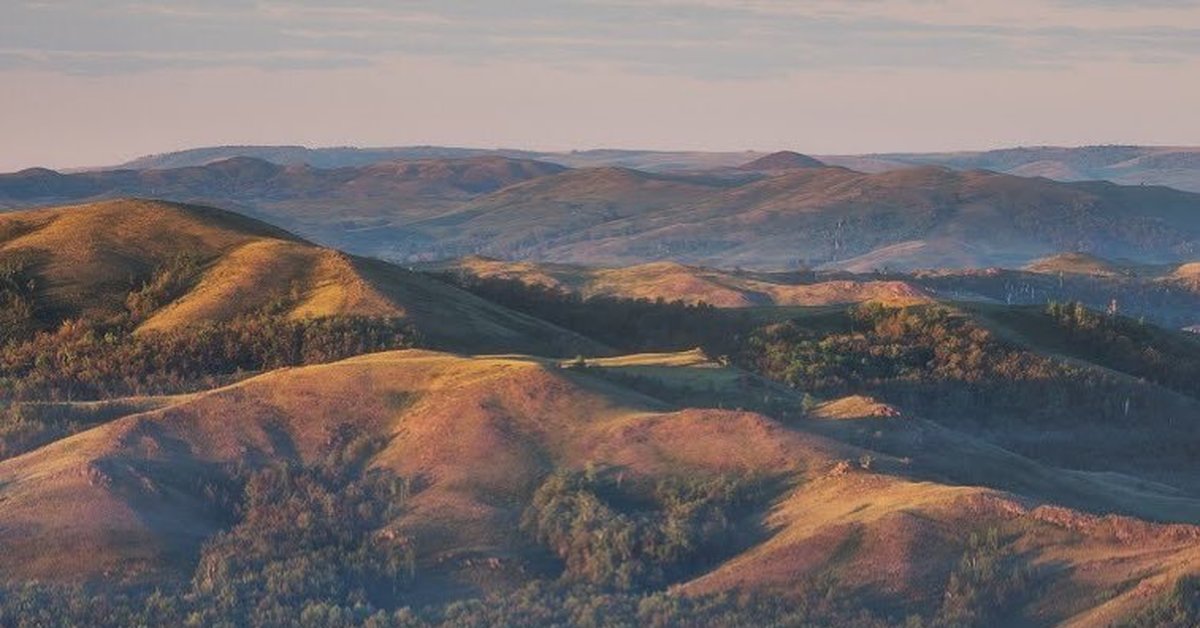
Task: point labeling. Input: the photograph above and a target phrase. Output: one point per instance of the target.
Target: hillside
(776, 218)
(1074, 264)
(783, 160)
(166, 266)
(906, 219)
(298, 197)
(691, 284)
(834, 465)
(498, 448)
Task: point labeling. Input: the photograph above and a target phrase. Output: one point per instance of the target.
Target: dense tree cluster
(618, 533)
(538, 604)
(93, 356)
(985, 585)
(17, 303)
(169, 282)
(308, 537)
(1170, 359)
(84, 360)
(942, 365)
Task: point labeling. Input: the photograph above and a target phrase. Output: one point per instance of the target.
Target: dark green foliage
(1170, 359)
(615, 532)
(308, 542)
(1162, 302)
(984, 586)
(313, 546)
(169, 282)
(1179, 607)
(307, 536)
(24, 427)
(943, 365)
(538, 604)
(83, 360)
(18, 319)
(545, 604)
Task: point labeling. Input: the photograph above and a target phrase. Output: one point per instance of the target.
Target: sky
(96, 82)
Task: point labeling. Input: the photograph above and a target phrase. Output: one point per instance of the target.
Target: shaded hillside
(1162, 294)
(828, 215)
(1066, 386)
(157, 266)
(456, 477)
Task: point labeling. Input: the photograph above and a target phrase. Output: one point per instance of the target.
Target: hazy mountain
(1177, 167)
(340, 157)
(916, 218)
(783, 160)
(925, 217)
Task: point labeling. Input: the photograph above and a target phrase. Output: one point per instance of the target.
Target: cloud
(707, 39)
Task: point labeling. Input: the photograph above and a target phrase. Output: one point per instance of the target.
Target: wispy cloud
(699, 38)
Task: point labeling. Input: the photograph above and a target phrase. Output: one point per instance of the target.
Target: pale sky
(94, 82)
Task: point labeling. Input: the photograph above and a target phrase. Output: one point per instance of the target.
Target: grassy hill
(206, 419)
(498, 453)
(164, 266)
(1076, 264)
(671, 281)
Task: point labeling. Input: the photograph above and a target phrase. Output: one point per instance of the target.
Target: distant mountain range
(1172, 166)
(1177, 167)
(775, 212)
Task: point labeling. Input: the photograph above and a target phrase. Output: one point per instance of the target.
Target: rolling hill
(184, 265)
(487, 440)
(907, 219)
(670, 281)
(975, 463)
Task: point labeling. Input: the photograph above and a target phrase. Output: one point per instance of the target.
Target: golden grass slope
(86, 258)
(692, 284)
(1075, 264)
(477, 435)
